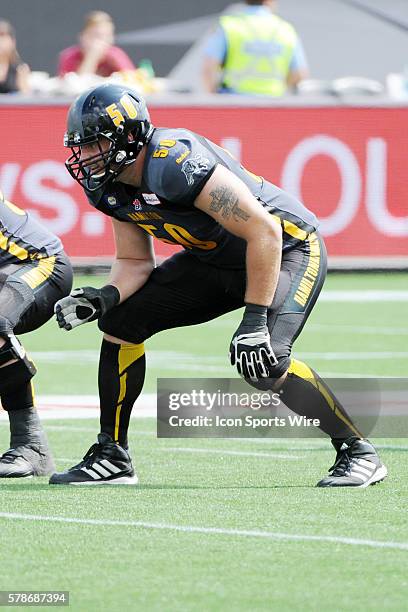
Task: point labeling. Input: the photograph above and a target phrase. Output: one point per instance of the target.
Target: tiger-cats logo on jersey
(194, 166)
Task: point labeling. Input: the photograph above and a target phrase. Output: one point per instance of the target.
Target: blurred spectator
(95, 53)
(254, 51)
(14, 74)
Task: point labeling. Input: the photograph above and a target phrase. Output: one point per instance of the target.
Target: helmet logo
(77, 138)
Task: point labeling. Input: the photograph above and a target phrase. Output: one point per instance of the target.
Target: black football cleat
(357, 465)
(26, 462)
(105, 463)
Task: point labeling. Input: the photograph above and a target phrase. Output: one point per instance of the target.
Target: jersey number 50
(127, 105)
(180, 236)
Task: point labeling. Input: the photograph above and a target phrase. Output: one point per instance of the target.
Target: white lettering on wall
(233, 145)
(349, 170)
(59, 201)
(8, 179)
(376, 192)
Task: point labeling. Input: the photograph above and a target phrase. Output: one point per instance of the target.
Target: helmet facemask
(95, 171)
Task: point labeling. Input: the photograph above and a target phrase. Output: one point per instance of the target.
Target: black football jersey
(22, 238)
(178, 163)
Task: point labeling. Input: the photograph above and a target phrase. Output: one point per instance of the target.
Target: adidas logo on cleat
(105, 463)
(357, 465)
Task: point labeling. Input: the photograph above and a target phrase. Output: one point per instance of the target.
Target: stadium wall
(348, 164)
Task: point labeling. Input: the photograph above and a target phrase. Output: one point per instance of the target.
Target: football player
(34, 274)
(246, 243)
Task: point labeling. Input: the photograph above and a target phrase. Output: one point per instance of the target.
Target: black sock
(305, 393)
(120, 379)
(19, 395)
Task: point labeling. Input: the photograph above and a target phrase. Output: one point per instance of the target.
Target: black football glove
(251, 349)
(84, 305)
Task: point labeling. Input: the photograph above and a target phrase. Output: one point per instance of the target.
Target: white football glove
(251, 351)
(85, 305)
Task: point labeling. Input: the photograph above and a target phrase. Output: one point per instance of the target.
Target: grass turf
(115, 567)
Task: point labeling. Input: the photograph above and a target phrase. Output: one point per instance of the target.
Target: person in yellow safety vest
(253, 52)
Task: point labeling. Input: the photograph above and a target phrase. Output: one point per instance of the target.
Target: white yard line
(330, 374)
(93, 430)
(369, 295)
(357, 329)
(353, 355)
(220, 451)
(209, 451)
(347, 295)
(51, 407)
(267, 535)
(288, 442)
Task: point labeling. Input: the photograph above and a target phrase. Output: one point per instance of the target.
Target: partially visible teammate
(246, 243)
(34, 274)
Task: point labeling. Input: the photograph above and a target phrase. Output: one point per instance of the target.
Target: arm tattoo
(225, 200)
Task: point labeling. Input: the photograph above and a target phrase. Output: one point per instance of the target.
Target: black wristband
(110, 295)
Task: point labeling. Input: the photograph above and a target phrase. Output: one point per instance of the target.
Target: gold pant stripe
(38, 275)
(17, 251)
(294, 230)
(128, 354)
(122, 393)
(311, 273)
(329, 399)
(12, 248)
(32, 392)
(290, 228)
(301, 370)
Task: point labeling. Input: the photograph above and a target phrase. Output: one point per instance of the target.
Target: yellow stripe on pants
(300, 369)
(41, 273)
(128, 354)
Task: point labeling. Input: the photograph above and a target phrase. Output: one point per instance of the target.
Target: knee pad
(275, 372)
(17, 373)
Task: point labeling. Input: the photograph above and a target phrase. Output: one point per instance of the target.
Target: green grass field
(218, 524)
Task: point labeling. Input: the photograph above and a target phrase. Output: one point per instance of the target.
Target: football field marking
(94, 430)
(354, 356)
(358, 329)
(368, 295)
(264, 454)
(221, 451)
(267, 535)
